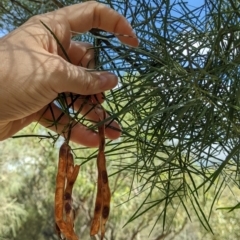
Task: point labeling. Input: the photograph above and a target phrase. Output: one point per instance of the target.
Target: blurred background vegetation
(174, 172)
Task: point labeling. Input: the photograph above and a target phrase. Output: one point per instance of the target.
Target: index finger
(85, 16)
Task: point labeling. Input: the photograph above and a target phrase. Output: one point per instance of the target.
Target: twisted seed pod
(102, 203)
(66, 177)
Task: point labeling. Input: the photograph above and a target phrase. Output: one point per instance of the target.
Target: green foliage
(28, 168)
(27, 186)
(178, 104)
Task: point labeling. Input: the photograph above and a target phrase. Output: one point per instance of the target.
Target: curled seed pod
(103, 198)
(66, 177)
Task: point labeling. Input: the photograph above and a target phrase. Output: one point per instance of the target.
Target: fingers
(70, 77)
(90, 112)
(81, 54)
(80, 134)
(66, 77)
(85, 16)
(62, 76)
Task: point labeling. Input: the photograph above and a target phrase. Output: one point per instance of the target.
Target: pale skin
(33, 70)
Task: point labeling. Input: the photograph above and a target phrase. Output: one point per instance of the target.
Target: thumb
(71, 78)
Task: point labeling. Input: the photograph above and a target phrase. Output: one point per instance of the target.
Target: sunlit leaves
(177, 100)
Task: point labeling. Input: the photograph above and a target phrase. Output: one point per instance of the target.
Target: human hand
(33, 69)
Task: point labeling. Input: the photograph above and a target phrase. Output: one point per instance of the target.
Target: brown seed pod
(102, 204)
(66, 177)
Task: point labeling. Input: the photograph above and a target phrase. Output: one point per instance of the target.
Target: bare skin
(33, 70)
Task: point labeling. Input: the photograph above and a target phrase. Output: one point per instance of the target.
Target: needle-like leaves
(178, 100)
